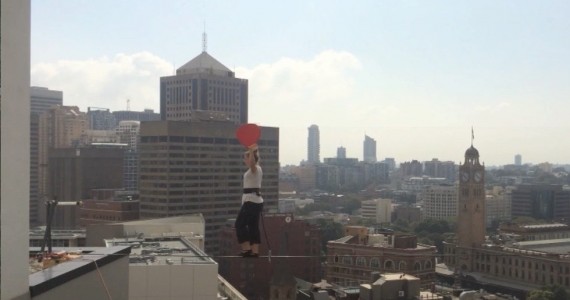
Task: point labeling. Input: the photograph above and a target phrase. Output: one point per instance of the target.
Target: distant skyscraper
(391, 162)
(100, 119)
(203, 84)
(541, 201)
(41, 100)
(127, 115)
(518, 160)
(441, 169)
(412, 168)
(314, 145)
(128, 132)
(341, 152)
(369, 149)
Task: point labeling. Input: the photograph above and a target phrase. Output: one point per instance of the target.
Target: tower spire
(204, 39)
(472, 136)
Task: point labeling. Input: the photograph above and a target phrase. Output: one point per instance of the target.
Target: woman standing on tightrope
(247, 222)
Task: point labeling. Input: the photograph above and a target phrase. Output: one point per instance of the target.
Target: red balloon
(248, 134)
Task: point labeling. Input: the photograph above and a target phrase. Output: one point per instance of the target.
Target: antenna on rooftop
(204, 39)
(128, 104)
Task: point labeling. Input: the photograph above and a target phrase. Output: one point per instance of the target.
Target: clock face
(464, 176)
(478, 176)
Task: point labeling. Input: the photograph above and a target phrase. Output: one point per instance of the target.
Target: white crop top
(252, 180)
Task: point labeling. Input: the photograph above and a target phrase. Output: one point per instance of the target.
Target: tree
(550, 292)
(540, 295)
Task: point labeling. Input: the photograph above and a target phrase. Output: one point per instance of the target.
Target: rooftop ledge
(87, 259)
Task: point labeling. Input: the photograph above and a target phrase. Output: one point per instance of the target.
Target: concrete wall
(173, 282)
(15, 61)
(90, 286)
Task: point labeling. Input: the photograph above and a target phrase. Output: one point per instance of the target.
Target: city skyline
(415, 77)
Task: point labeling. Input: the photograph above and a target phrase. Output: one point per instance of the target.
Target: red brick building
(287, 237)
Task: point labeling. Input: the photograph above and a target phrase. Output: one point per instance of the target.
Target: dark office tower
(369, 149)
(127, 115)
(471, 209)
(197, 167)
(518, 160)
(341, 152)
(75, 172)
(314, 145)
(41, 100)
(100, 119)
(203, 84)
(546, 202)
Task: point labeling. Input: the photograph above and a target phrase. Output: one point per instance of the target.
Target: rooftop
(80, 262)
(164, 250)
(555, 246)
(204, 63)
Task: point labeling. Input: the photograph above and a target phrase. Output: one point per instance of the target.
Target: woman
(247, 222)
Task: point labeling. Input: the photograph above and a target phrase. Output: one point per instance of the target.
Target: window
(361, 261)
(374, 263)
(388, 265)
(417, 266)
(402, 265)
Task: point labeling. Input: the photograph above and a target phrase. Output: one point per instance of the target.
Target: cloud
(105, 82)
(292, 94)
(299, 87)
(493, 108)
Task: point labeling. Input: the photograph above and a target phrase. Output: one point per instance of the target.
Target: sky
(416, 76)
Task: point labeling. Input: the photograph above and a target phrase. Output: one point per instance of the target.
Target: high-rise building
(314, 145)
(412, 168)
(59, 127)
(518, 160)
(100, 118)
(128, 132)
(197, 167)
(441, 169)
(204, 84)
(128, 115)
(391, 162)
(341, 152)
(75, 172)
(369, 149)
(544, 201)
(439, 201)
(41, 100)
(471, 209)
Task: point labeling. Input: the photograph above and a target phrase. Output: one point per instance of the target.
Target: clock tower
(471, 208)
